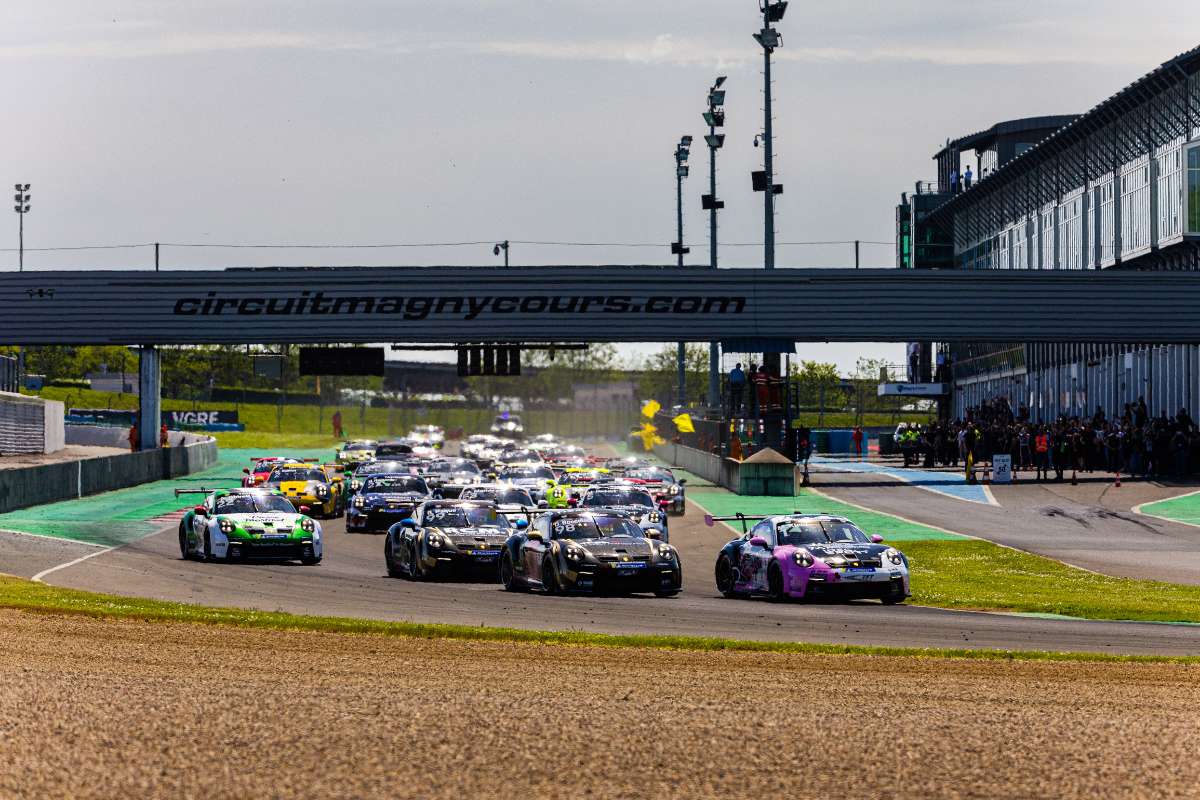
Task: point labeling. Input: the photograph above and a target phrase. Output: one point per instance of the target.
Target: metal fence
(8, 374)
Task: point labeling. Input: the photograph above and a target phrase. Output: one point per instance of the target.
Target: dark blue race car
(384, 500)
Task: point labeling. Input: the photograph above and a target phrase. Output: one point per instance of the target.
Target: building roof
(1011, 126)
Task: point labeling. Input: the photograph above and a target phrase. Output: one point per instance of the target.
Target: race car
(255, 475)
(354, 452)
(632, 500)
(516, 457)
(367, 468)
(389, 450)
(384, 500)
(512, 501)
(319, 488)
(572, 483)
(817, 556)
(537, 479)
(448, 537)
(508, 425)
(447, 476)
(244, 523)
(432, 435)
(668, 491)
(622, 464)
(589, 551)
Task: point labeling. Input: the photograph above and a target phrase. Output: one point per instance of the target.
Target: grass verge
(23, 595)
(269, 442)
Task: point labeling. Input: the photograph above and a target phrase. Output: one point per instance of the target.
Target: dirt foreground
(113, 709)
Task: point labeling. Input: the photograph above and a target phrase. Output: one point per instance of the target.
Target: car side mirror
(522, 524)
(876, 538)
(653, 534)
(759, 541)
(543, 504)
(305, 509)
(682, 481)
(246, 470)
(200, 511)
(535, 536)
(574, 501)
(410, 523)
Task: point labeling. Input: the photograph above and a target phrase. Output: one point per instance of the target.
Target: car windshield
(618, 497)
(522, 455)
(503, 418)
(464, 517)
(378, 467)
(265, 466)
(652, 475)
(585, 476)
(358, 446)
(594, 526)
(520, 473)
(819, 532)
(250, 503)
(392, 484)
(453, 465)
(283, 474)
(512, 497)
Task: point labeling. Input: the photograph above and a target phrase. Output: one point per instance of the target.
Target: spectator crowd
(1134, 443)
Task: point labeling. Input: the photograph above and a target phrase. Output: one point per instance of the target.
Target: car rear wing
(204, 491)
(709, 519)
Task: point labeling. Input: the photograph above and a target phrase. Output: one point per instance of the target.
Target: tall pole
(768, 163)
(683, 374)
(679, 211)
(714, 353)
(22, 208)
(156, 256)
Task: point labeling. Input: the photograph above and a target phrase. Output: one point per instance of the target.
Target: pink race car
(810, 556)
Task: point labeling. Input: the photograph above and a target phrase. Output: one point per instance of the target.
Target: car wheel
(508, 573)
(183, 542)
(775, 582)
(415, 572)
(208, 556)
(387, 557)
(725, 576)
(549, 577)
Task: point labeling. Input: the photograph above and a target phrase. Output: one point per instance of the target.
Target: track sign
(268, 366)
(353, 361)
(1002, 468)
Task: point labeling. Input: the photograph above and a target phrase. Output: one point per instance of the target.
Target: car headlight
(674, 489)
(356, 484)
(894, 556)
(359, 501)
(574, 553)
(322, 491)
(837, 562)
(654, 516)
(227, 527)
(434, 540)
(667, 553)
(803, 558)
(307, 525)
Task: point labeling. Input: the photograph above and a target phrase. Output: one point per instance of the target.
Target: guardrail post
(149, 401)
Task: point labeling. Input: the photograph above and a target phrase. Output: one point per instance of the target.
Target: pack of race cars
(531, 515)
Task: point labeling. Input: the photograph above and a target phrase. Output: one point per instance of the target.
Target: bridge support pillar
(150, 403)
(772, 433)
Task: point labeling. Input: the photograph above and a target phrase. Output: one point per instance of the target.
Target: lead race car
(245, 523)
(448, 537)
(811, 556)
(589, 551)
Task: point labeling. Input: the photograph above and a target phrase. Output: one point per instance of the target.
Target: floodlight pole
(679, 204)
(714, 353)
(768, 164)
(22, 208)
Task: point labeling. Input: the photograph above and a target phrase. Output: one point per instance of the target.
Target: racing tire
(183, 542)
(550, 578)
(725, 577)
(415, 573)
(388, 560)
(208, 556)
(508, 572)
(775, 591)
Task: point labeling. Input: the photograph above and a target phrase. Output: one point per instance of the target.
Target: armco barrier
(51, 483)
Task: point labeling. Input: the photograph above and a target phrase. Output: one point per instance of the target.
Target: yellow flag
(650, 436)
(650, 409)
(684, 423)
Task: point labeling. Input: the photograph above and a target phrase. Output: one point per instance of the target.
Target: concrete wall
(54, 434)
(30, 425)
(51, 483)
(118, 436)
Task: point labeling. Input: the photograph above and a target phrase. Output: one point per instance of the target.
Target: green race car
(354, 452)
(244, 523)
(573, 483)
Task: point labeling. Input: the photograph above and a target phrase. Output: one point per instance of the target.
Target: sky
(364, 122)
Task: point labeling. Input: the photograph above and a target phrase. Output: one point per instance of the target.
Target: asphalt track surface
(352, 582)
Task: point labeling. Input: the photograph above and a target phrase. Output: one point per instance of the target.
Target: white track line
(38, 578)
(987, 492)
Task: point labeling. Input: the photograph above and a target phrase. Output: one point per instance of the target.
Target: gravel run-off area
(92, 708)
